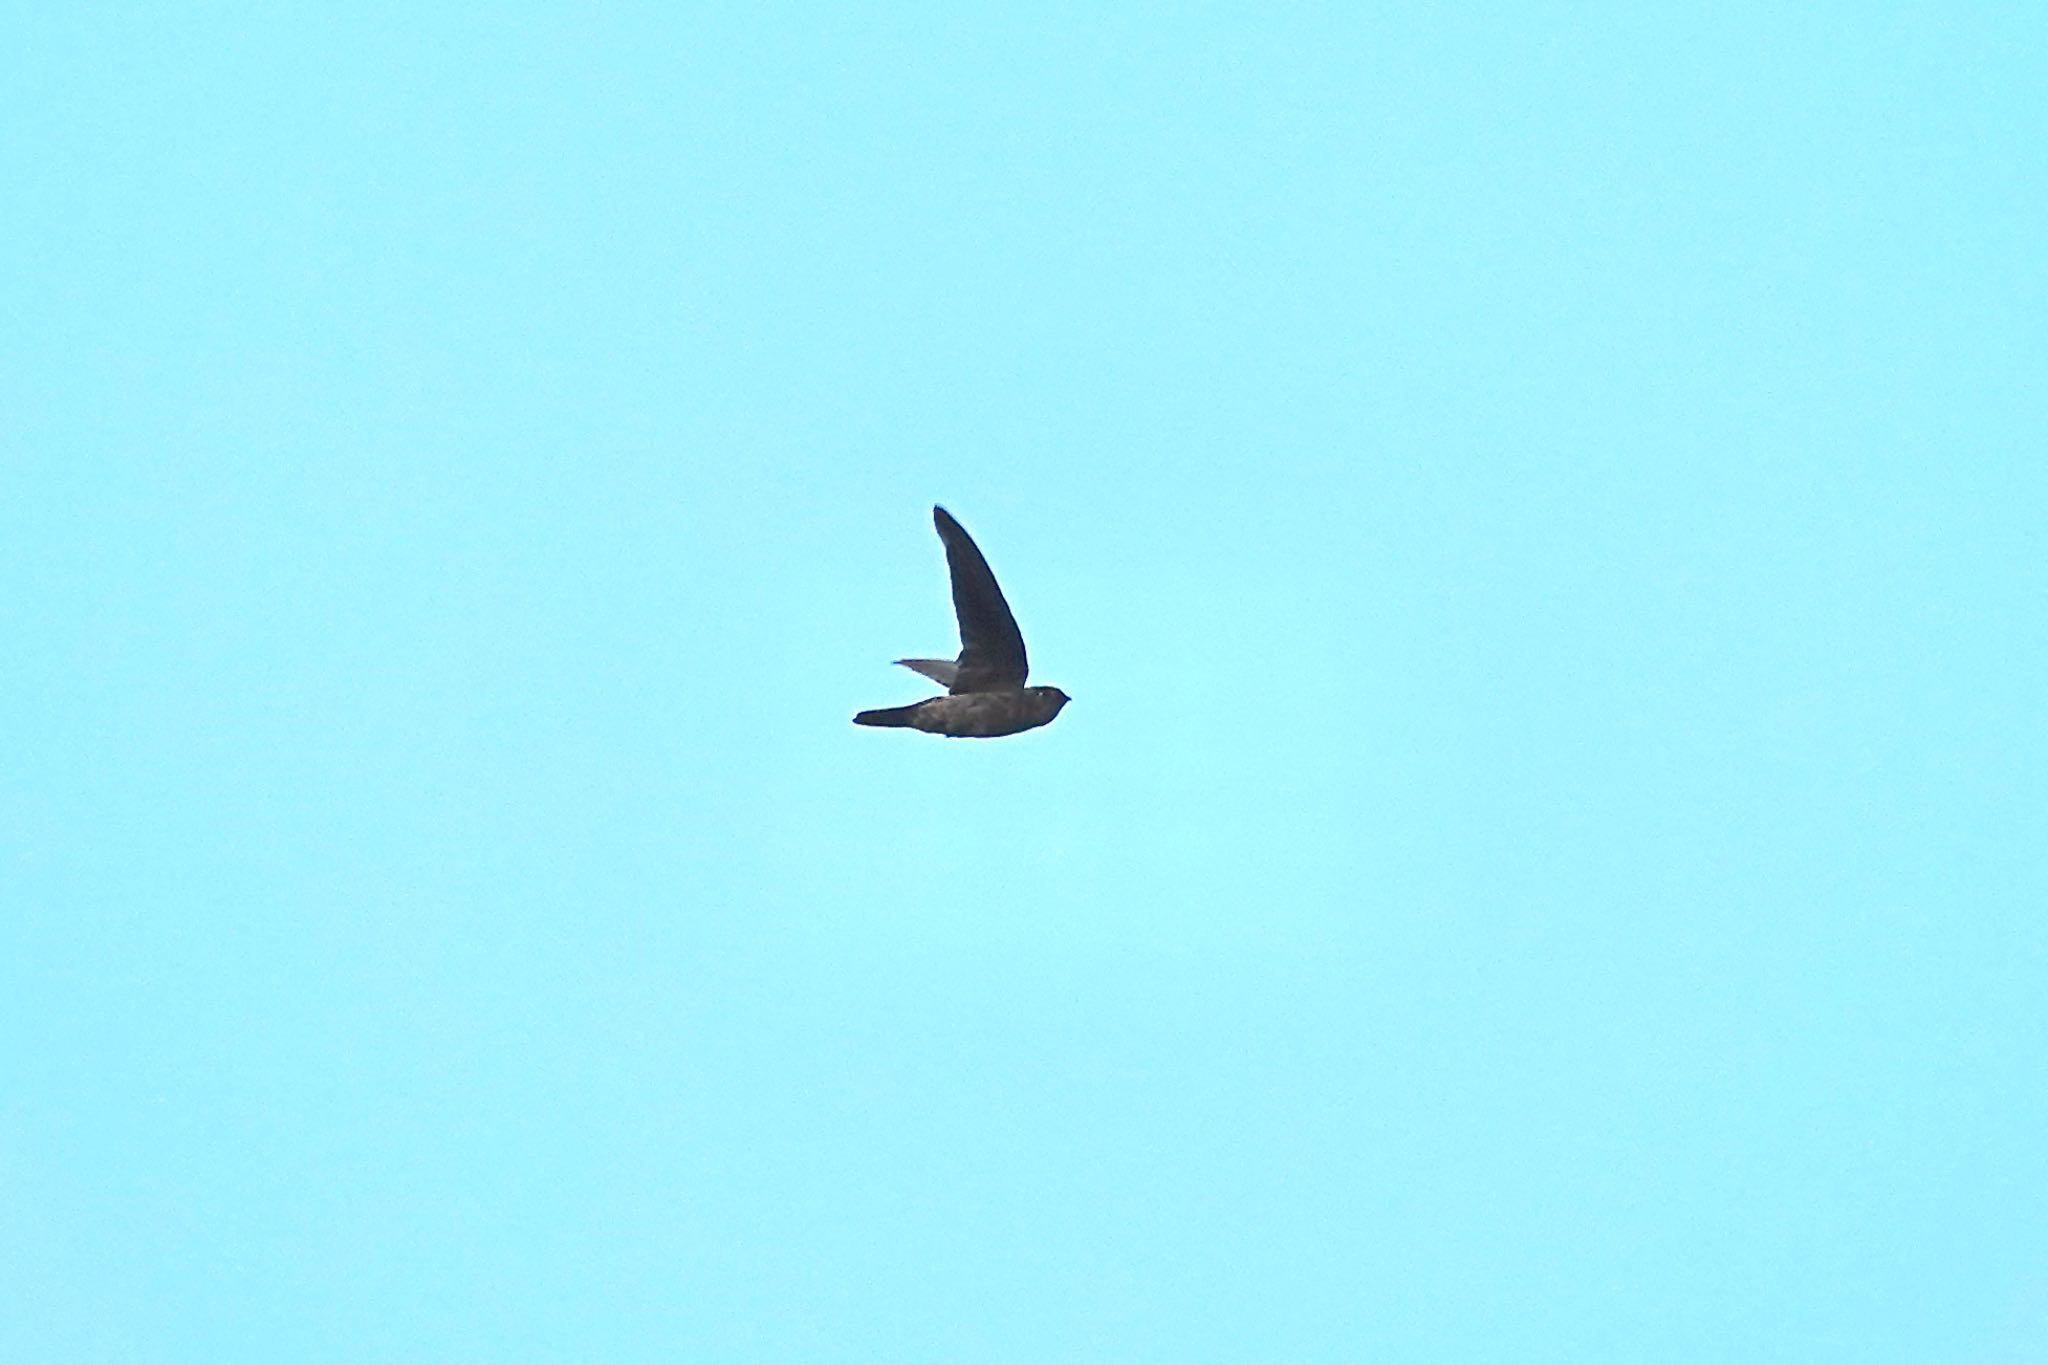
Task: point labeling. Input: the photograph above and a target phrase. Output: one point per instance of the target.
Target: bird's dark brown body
(974, 715)
(986, 695)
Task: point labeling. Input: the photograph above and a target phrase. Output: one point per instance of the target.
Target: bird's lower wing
(940, 671)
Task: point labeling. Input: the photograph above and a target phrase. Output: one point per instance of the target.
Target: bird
(985, 691)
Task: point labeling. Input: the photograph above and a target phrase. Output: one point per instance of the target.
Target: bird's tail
(892, 715)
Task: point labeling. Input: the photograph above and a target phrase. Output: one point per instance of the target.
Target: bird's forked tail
(890, 715)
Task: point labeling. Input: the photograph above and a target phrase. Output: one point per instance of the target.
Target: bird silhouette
(986, 695)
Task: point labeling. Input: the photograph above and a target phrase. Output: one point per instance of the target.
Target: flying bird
(986, 695)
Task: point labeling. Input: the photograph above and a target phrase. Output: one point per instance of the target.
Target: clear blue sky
(1540, 510)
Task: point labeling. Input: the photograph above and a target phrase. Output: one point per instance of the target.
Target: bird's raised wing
(991, 649)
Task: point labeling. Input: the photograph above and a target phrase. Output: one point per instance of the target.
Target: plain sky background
(1540, 510)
